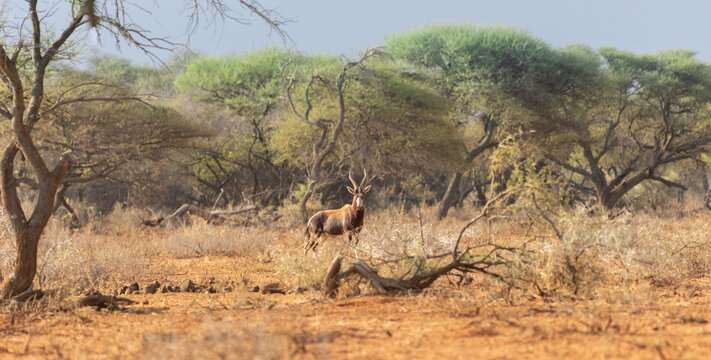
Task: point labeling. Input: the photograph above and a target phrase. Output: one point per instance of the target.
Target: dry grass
(593, 258)
(603, 282)
(114, 249)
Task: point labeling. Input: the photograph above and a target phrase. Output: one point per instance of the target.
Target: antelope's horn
(365, 176)
(355, 185)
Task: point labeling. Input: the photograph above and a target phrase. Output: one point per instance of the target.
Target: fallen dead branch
(216, 217)
(420, 278)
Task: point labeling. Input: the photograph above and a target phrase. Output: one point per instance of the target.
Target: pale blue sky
(347, 27)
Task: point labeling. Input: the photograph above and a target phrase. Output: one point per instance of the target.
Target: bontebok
(346, 220)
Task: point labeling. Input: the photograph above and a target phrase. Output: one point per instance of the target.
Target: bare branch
(219, 9)
(668, 183)
(5, 112)
(307, 99)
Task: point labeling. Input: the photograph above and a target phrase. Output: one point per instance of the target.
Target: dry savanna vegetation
(517, 200)
(635, 287)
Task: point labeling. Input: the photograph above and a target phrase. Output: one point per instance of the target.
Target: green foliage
(117, 139)
(471, 59)
(627, 115)
(394, 123)
(238, 97)
(401, 123)
(411, 117)
(120, 72)
(248, 84)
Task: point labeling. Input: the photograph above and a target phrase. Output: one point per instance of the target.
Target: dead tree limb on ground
(212, 217)
(421, 278)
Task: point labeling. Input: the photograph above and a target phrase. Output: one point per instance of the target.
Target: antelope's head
(358, 191)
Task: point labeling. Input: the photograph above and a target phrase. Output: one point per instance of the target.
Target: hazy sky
(346, 27)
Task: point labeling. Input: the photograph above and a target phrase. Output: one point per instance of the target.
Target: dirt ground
(443, 323)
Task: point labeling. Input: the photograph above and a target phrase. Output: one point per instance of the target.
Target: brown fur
(346, 220)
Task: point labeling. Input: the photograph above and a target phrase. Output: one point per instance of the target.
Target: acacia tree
(25, 56)
(627, 118)
(485, 71)
(329, 130)
(399, 127)
(239, 158)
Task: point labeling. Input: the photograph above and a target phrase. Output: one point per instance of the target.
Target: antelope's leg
(319, 239)
(357, 235)
(309, 244)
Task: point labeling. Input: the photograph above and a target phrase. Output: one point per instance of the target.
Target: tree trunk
(480, 194)
(450, 196)
(485, 142)
(705, 184)
(27, 232)
(304, 200)
(24, 267)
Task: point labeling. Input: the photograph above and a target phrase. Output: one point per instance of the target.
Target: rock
(123, 290)
(134, 287)
(211, 290)
(164, 289)
(151, 288)
(254, 289)
(273, 288)
(187, 286)
(300, 290)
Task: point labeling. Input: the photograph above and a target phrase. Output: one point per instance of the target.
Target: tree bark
(451, 196)
(304, 200)
(27, 232)
(480, 194)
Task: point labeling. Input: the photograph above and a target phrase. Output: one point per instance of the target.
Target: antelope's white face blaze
(359, 201)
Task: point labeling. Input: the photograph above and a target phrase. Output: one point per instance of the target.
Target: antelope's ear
(366, 189)
(350, 190)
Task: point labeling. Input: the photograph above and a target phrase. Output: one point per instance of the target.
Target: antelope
(346, 220)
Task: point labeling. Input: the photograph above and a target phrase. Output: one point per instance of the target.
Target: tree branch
(668, 183)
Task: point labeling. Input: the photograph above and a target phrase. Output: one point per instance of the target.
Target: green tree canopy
(630, 118)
